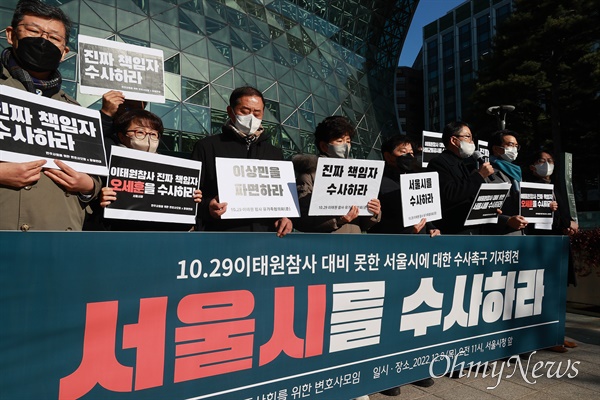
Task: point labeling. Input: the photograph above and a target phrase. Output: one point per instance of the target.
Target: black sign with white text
(35, 127)
(489, 199)
(535, 202)
(152, 187)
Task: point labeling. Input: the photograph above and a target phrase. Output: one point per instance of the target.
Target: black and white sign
(152, 187)
(432, 146)
(341, 184)
(108, 65)
(535, 202)
(420, 195)
(489, 199)
(34, 127)
(484, 149)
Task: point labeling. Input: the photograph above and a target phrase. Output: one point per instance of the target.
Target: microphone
(481, 159)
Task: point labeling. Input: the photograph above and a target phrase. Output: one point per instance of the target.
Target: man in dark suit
(458, 184)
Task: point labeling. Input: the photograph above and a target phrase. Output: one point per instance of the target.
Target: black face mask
(405, 163)
(38, 54)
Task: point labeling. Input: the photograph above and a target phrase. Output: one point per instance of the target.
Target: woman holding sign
(333, 139)
(140, 130)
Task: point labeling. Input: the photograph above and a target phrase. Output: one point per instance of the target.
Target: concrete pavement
(583, 329)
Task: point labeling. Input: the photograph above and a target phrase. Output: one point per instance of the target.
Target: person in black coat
(399, 159)
(242, 137)
(458, 184)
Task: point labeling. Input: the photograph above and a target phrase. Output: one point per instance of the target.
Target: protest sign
(420, 197)
(225, 316)
(432, 146)
(108, 65)
(152, 187)
(534, 202)
(490, 197)
(484, 149)
(257, 188)
(35, 127)
(343, 183)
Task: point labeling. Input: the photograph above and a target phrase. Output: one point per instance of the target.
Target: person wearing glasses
(459, 182)
(31, 196)
(505, 149)
(140, 130)
(114, 104)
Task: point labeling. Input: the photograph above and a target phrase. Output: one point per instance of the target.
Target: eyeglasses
(32, 30)
(141, 134)
(468, 137)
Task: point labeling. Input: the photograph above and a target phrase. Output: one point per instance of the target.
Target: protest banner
(420, 197)
(257, 188)
(152, 187)
(136, 71)
(489, 199)
(214, 315)
(432, 146)
(343, 183)
(35, 127)
(534, 202)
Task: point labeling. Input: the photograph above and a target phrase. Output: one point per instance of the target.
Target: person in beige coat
(31, 197)
(333, 138)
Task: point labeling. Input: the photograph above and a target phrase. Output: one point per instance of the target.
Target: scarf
(46, 88)
(510, 169)
(249, 139)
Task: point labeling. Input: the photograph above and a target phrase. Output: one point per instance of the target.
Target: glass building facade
(310, 58)
(453, 46)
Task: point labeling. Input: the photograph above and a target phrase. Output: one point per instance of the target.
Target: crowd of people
(36, 198)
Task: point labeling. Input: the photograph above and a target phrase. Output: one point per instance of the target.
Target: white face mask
(247, 124)
(466, 149)
(338, 150)
(510, 154)
(544, 170)
(143, 144)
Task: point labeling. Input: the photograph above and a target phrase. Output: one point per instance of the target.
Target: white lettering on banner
(356, 316)
(525, 300)
(419, 322)
(343, 263)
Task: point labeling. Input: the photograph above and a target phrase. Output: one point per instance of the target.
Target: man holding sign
(31, 197)
(241, 137)
(399, 159)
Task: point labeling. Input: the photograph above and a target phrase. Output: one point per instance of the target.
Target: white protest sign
(35, 127)
(341, 184)
(152, 187)
(534, 202)
(432, 146)
(257, 188)
(420, 195)
(490, 197)
(136, 71)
